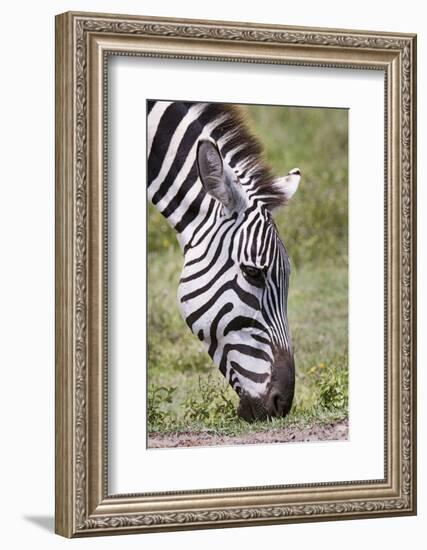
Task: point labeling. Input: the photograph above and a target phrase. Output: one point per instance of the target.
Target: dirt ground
(336, 431)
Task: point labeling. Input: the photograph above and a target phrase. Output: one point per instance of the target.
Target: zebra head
(234, 285)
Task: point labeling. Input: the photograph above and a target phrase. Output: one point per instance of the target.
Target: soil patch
(334, 431)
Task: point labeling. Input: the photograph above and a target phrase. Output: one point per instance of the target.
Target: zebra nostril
(282, 386)
(278, 405)
(275, 404)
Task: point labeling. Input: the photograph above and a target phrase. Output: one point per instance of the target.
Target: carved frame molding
(83, 42)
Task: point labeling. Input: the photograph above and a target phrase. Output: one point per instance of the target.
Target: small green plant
(157, 399)
(212, 405)
(333, 388)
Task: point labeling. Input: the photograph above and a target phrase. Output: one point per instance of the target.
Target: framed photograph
(235, 274)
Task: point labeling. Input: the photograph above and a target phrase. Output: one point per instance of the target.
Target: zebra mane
(249, 153)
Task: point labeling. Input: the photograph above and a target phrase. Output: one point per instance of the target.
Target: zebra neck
(174, 129)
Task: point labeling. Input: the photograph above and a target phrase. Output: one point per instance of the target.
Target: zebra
(207, 177)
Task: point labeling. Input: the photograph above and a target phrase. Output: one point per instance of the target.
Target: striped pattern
(234, 284)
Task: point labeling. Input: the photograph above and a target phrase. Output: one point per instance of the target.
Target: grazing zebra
(207, 177)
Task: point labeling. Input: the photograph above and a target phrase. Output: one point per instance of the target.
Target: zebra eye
(253, 274)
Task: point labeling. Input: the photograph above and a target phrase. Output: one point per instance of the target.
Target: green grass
(186, 391)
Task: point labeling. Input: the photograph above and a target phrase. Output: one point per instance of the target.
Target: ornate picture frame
(84, 42)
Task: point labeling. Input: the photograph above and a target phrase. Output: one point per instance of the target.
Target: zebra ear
(286, 187)
(217, 177)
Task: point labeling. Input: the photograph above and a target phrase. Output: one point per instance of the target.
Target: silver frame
(83, 43)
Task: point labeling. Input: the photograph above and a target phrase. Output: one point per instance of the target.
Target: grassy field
(186, 392)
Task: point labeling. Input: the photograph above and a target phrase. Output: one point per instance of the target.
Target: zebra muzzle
(251, 408)
(277, 401)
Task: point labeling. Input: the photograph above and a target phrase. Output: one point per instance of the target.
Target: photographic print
(235, 272)
(247, 240)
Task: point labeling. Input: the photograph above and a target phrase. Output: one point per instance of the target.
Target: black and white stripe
(207, 177)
